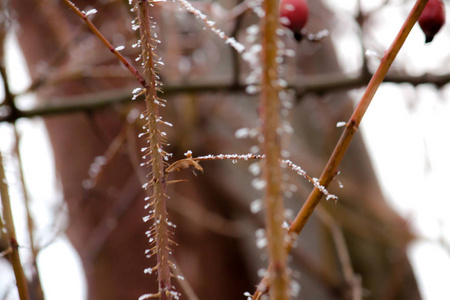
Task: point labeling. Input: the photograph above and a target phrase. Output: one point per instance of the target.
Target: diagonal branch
(102, 38)
(21, 281)
(351, 128)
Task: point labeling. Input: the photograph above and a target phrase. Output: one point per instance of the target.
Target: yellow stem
(270, 106)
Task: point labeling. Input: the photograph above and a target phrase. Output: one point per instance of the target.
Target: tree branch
(320, 84)
(352, 126)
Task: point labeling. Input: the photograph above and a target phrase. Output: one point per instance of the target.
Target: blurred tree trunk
(106, 224)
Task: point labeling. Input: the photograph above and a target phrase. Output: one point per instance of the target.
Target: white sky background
(59, 265)
(406, 130)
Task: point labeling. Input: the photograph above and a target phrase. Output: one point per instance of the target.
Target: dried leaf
(184, 164)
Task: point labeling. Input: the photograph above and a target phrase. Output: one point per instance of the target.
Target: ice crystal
(341, 124)
(211, 25)
(90, 12)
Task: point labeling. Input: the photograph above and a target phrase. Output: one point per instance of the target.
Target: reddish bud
(294, 15)
(432, 19)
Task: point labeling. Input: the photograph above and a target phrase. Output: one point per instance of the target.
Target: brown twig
(354, 121)
(134, 160)
(99, 235)
(102, 38)
(37, 292)
(21, 281)
(211, 25)
(352, 280)
(98, 166)
(187, 288)
(346, 137)
(190, 161)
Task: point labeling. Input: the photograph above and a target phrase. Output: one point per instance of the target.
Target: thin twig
(102, 38)
(211, 25)
(187, 288)
(352, 125)
(351, 279)
(134, 160)
(37, 292)
(98, 166)
(190, 161)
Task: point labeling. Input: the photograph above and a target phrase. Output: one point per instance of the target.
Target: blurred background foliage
(355, 246)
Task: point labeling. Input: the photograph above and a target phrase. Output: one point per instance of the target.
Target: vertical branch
(352, 125)
(37, 292)
(159, 231)
(270, 105)
(100, 36)
(14, 257)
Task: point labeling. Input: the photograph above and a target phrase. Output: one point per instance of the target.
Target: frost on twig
(314, 181)
(230, 156)
(190, 161)
(317, 37)
(159, 234)
(211, 25)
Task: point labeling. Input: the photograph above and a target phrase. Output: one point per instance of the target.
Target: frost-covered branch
(313, 180)
(352, 125)
(212, 26)
(190, 161)
(320, 84)
(158, 233)
(9, 229)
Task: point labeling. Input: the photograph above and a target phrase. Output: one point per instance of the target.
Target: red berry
(294, 15)
(432, 19)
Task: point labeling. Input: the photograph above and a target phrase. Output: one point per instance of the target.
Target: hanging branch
(211, 25)
(159, 231)
(351, 128)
